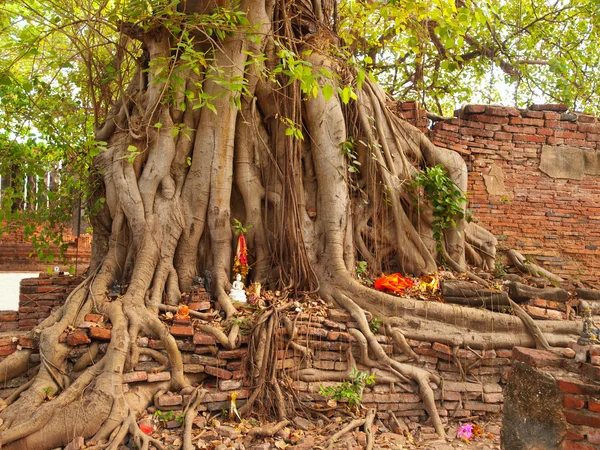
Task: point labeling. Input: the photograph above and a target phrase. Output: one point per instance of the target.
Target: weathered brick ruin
(553, 401)
(475, 381)
(534, 179)
(17, 254)
(38, 297)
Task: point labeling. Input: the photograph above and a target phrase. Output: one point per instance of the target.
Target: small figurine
(198, 281)
(237, 292)
(590, 333)
(208, 281)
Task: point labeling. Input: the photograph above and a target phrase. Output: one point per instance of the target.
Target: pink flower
(465, 431)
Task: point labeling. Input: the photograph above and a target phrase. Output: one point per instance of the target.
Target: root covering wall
(534, 179)
(324, 333)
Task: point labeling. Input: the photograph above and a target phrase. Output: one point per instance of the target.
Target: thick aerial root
(540, 340)
(420, 376)
(190, 413)
(157, 356)
(130, 426)
(351, 426)
(525, 266)
(369, 428)
(266, 430)
(400, 341)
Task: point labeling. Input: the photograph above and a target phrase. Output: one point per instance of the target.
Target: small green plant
(164, 416)
(499, 268)
(445, 197)
(48, 391)
(505, 199)
(375, 324)
(239, 227)
(361, 272)
(349, 390)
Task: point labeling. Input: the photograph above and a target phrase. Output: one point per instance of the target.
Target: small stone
(263, 446)
(199, 421)
(226, 431)
(173, 424)
(302, 423)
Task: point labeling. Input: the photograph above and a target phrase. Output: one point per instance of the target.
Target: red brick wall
(19, 255)
(38, 297)
(557, 221)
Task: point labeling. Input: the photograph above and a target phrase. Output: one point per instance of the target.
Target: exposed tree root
(530, 268)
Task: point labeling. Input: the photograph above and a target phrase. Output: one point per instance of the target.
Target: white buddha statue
(237, 292)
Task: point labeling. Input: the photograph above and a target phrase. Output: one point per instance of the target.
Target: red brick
(474, 109)
(102, 334)
(204, 339)
(574, 436)
(232, 354)
(9, 316)
(200, 306)
(594, 406)
(593, 436)
(182, 330)
(501, 111)
(589, 419)
(569, 134)
(589, 127)
(219, 373)
(536, 358)
(489, 119)
(160, 376)
(78, 337)
(6, 350)
(575, 386)
(97, 318)
(573, 402)
(570, 445)
(27, 342)
(170, 400)
(590, 371)
(526, 121)
(560, 107)
(134, 377)
(442, 348)
(529, 138)
(201, 296)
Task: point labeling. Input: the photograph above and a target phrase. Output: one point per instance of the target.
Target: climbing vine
(446, 199)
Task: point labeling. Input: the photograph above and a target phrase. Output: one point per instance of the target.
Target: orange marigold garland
(240, 261)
